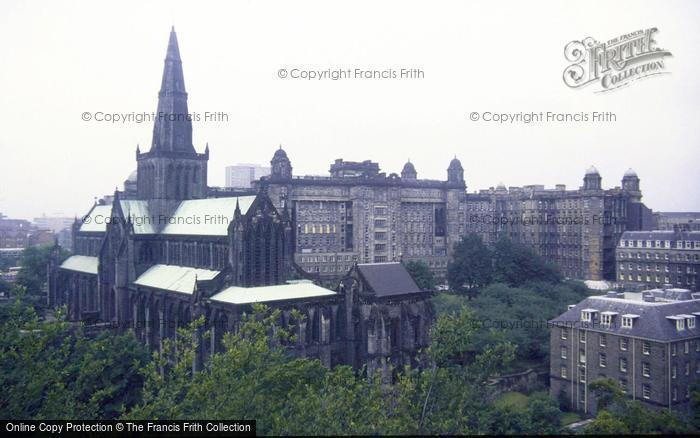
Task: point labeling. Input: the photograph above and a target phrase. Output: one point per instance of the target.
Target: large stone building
(360, 213)
(169, 249)
(649, 342)
(677, 221)
(650, 259)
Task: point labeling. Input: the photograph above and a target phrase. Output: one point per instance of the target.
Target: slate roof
(652, 323)
(290, 291)
(387, 279)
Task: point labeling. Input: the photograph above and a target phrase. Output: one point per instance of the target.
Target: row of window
(623, 367)
(679, 280)
(678, 244)
(657, 268)
(624, 342)
(657, 256)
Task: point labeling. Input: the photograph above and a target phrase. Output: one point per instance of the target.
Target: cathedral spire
(172, 131)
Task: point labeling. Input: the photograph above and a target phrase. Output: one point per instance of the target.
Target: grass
(569, 418)
(515, 400)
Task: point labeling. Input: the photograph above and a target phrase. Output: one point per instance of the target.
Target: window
(687, 368)
(564, 352)
(606, 318)
(646, 348)
(646, 369)
(673, 349)
(623, 344)
(680, 324)
(565, 333)
(646, 391)
(582, 336)
(582, 356)
(603, 340)
(602, 360)
(563, 372)
(627, 322)
(623, 383)
(623, 365)
(686, 347)
(582, 375)
(674, 371)
(674, 394)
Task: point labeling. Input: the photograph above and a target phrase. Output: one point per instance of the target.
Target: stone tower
(172, 170)
(409, 171)
(455, 172)
(281, 166)
(592, 179)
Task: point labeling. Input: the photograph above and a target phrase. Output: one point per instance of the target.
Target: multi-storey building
(681, 221)
(359, 213)
(655, 258)
(240, 176)
(20, 233)
(649, 342)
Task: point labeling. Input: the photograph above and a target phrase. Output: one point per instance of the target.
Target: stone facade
(169, 249)
(651, 346)
(656, 258)
(360, 213)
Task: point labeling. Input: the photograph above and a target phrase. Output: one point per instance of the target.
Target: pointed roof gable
(386, 279)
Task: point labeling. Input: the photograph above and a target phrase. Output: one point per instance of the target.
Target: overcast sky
(59, 59)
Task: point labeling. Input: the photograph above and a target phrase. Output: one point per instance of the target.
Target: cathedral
(169, 249)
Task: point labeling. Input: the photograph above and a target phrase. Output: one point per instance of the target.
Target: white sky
(59, 59)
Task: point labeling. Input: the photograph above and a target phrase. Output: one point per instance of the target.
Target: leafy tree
(695, 405)
(617, 414)
(421, 274)
(33, 265)
(51, 370)
(608, 392)
(607, 424)
(516, 264)
(543, 415)
(470, 267)
(518, 314)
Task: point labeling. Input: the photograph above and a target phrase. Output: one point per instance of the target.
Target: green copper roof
(291, 291)
(174, 278)
(79, 263)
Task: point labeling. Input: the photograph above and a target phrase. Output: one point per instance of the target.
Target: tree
(516, 264)
(695, 405)
(470, 267)
(51, 370)
(617, 414)
(608, 392)
(607, 424)
(33, 265)
(422, 275)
